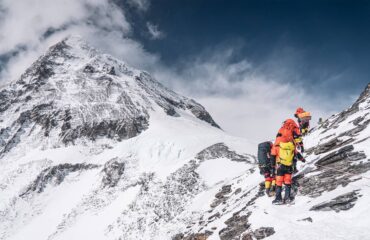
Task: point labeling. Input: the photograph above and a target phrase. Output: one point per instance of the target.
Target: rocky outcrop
(55, 175)
(259, 233)
(220, 150)
(170, 101)
(341, 203)
(197, 236)
(236, 225)
(329, 146)
(336, 156)
(118, 129)
(159, 202)
(113, 171)
(221, 196)
(327, 179)
(364, 97)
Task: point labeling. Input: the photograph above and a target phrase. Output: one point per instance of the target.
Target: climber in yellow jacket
(288, 139)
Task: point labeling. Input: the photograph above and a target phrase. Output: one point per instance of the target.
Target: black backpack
(263, 155)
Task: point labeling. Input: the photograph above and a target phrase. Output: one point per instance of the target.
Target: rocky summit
(91, 148)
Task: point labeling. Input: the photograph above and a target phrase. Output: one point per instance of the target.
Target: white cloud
(141, 5)
(34, 25)
(244, 100)
(154, 32)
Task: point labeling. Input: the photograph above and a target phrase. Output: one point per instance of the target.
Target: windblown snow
(91, 148)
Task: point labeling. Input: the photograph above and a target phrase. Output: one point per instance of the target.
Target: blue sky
(323, 44)
(250, 63)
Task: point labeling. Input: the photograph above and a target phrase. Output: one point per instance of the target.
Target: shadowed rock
(220, 150)
(117, 129)
(335, 156)
(113, 171)
(340, 173)
(197, 236)
(236, 225)
(221, 196)
(340, 203)
(309, 219)
(259, 233)
(353, 109)
(331, 145)
(169, 100)
(55, 175)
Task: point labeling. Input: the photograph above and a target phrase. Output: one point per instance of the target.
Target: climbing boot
(278, 199)
(287, 195)
(267, 190)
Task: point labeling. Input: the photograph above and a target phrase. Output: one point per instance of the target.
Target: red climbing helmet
(298, 111)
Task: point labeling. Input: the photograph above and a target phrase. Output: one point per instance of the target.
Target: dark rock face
(224, 191)
(341, 203)
(329, 146)
(220, 150)
(342, 164)
(353, 109)
(42, 69)
(5, 99)
(221, 196)
(118, 130)
(236, 225)
(113, 171)
(55, 175)
(168, 100)
(339, 174)
(260, 233)
(339, 155)
(49, 119)
(197, 236)
(42, 114)
(309, 219)
(201, 113)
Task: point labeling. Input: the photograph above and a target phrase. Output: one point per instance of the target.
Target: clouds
(154, 32)
(142, 5)
(244, 100)
(29, 27)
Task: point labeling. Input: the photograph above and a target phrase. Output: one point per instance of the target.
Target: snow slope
(93, 149)
(333, 190)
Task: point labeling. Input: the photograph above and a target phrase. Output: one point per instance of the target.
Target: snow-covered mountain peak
(73, 91)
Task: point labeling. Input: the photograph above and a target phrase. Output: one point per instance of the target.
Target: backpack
(286, 153)
(285, 133)
(263, 154)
